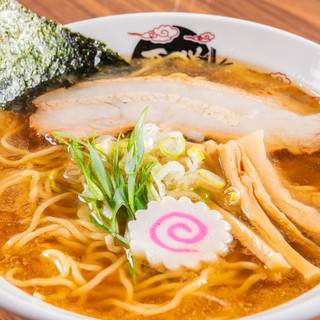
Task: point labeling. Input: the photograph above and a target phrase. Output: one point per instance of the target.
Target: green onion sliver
(212, 178)
(173, 147)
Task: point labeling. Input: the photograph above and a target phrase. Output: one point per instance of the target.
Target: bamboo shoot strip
(292, 232)
(304, 216)
(231, 162)
(252, 241)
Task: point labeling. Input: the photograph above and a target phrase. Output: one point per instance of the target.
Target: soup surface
(51, 250)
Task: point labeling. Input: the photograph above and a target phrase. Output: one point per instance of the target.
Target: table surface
(296, 16)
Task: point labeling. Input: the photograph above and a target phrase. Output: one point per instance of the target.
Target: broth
(34, 172)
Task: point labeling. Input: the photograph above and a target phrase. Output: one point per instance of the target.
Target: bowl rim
(16, 301)
(170, 14)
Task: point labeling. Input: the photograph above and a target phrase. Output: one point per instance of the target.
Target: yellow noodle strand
(89, 267)
(127, 283)
(150, 281)
(70, 226)
(32, 235)
(99, 277)
(9, 146)
(79, 279)
(60, 260)
(248, 283)
(60, 232)
(101, 255)
(242, 264)
(94, 245)
(35, 220)
(53, 281)
(31, 156)
(71, 244)
(89, 226)
(151, 309)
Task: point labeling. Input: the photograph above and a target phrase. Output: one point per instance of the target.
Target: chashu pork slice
(190, 105)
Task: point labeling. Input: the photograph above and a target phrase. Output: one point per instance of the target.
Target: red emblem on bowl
(204, 37)
(161, 34)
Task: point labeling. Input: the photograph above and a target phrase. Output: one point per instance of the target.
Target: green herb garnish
(114, 195)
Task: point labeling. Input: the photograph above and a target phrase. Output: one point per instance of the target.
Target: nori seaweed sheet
(35, 52)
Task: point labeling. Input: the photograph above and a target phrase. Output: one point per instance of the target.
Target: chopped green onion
(212, 178)
(173, 168)
(206, 192)
(195, 153)
(233, 196)
(173, 147)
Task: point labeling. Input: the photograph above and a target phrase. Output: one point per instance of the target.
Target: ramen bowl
(285, 56)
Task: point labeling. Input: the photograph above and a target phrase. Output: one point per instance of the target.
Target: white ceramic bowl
(285, 55)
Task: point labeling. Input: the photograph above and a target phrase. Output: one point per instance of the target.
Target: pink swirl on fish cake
(175, 233)
(202, 231)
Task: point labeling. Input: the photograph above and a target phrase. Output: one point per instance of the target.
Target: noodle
(54, 281)
(69, 226)
(89, 267)
(248, 283)
(4, 139)
(157, 278)
(101, 255)
(127, 284)
(151, 309)
(96, 244)
(24, 239)
(99, 277)
(71, 244)
(60, 261)
(35, 220)
(32, 156)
